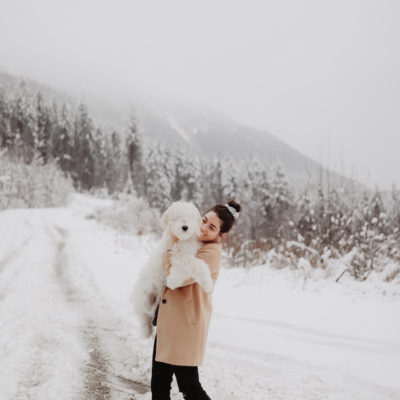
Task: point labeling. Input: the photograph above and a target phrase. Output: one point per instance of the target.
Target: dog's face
(182, 219)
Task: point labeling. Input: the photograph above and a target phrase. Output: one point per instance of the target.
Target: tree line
(316, 223)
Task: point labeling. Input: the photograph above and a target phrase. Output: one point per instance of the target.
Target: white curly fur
(185, 265)
(150, 284)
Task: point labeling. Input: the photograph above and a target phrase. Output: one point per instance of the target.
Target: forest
(59, 146)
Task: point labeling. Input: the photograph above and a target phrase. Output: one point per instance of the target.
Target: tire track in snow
(100, 383)
(11, 266)
(96, 369)
(13, 254)
(32, 344)
(12, 263)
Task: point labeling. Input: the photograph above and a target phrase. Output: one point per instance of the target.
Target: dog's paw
(173, 282)
(207, 284)
(147, 328)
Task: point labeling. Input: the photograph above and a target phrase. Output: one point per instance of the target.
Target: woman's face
(210, 227)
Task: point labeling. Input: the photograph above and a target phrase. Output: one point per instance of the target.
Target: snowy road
(68, 331)
(54, 319)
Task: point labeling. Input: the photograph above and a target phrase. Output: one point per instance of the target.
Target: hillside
(206, 130)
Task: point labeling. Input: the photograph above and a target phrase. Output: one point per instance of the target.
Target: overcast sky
(324, 76)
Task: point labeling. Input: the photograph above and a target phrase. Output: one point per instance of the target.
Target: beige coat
(184, 315)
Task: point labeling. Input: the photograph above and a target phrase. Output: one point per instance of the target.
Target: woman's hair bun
(235, 205)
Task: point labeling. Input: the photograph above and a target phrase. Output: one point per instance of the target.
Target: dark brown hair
(225, 215)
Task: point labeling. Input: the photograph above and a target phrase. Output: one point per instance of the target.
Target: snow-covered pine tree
(187, 177)
(158, 186)
(100, 158)
(44, 127)
(278, 212)
(306, 224)
(178, 183)
(23, 124)
(395, 210)
(262, 199)
(195, 181)
(230, 178)
(378, 213)
(394, 217)
(222, 178)
(336, 215)
(245, 189)
(367, 239)
(168, 164)
(83, 148)
(63, 146)
(5, 114)
(114, 166)
(134, 150)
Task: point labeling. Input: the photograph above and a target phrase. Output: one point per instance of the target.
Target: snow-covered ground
(68, 331)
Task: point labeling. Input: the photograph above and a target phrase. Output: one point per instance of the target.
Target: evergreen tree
(158, 186)
(113, 163)
(230, 179)
(395, 210)
(134, 148)
(337, 217)
(306, 223)
(83, 148)
(222, 178)
(167, 162)
(63, 145)
(100, 158)
(276, 211)
(194, 180)
(5, 114)
(186, 181)
(23, 124)
(262, 198)
(251, 188)
(44, 128)
(281, 189)
(180, 172)
(378, 214)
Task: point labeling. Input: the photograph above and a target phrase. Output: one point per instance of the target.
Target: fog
(324, 76)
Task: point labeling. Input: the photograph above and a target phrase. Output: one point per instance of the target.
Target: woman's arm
(212, 257)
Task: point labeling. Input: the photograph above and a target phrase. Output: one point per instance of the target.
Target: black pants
(186, 377)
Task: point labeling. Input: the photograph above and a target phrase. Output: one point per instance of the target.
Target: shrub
(129, 214)
(32, 185)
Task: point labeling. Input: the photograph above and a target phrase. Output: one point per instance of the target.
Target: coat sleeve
(212, 257)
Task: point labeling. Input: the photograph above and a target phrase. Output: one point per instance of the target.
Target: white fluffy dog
(182, 220)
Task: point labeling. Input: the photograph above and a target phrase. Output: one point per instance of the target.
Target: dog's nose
(184, 227)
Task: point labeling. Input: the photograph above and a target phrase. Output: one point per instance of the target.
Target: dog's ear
(165, 219)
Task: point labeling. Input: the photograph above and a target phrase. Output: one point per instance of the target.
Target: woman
(183, 315)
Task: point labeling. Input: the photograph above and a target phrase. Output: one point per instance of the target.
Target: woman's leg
(161, 377)
(189, 384)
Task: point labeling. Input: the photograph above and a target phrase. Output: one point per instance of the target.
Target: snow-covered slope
(68, 330)
(204, 129)
(209, 132)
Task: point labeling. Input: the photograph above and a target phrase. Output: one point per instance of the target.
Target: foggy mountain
(204, 129)
(210, 132)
